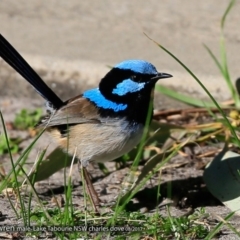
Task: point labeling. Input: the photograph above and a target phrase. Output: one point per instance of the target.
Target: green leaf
(222, 178)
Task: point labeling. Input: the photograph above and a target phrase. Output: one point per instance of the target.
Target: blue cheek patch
(95, 96)
(127, 86)
(138, 66)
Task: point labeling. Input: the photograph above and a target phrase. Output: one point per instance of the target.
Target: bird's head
(126, 90)
(130, 80)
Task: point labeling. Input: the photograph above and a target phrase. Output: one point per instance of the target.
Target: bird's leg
(91, 191)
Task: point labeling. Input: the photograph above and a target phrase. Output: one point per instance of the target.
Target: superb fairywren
(103, 123)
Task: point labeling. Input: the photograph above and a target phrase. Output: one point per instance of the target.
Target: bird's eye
(133, 77)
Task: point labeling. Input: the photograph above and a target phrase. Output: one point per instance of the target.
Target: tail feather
(16, 61)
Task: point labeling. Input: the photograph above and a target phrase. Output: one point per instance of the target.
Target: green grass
(128, 224)
(26, 119)
(119, 223)
(221, 64)
(8, 144)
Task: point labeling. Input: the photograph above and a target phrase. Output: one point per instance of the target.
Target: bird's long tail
(16, 61)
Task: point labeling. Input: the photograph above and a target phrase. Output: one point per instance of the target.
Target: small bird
(103, 123)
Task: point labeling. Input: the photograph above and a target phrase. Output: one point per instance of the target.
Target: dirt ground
(57, 35)
(183, 173)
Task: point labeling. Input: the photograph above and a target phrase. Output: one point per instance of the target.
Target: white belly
(107, 142)
(126, 144)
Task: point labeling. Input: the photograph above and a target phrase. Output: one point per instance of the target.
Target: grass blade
(183, 98)
(214, 59)
(202, 86)
(226, 13)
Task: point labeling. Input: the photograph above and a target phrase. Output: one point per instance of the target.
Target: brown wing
(76, 110)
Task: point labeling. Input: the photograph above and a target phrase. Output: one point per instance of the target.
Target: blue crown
(138, 66)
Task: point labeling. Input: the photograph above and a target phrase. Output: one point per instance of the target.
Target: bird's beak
(161, 75)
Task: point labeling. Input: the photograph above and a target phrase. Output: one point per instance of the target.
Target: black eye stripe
(116, 76)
